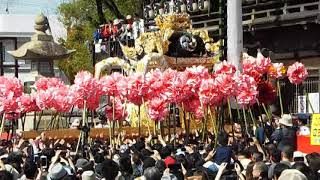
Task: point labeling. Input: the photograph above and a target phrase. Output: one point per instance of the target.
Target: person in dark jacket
(287, 134)
(223, 151)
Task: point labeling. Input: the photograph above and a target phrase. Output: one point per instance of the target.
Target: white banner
(302, 102)
(313, 102)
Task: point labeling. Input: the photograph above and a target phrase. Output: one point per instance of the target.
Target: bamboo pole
(2, 123)
(280, 97)
(253, 120)
(245, 120)
(39, 120)
(84, 117)
(231, 118)
(113, 115)
(139, 119)
(174, 126)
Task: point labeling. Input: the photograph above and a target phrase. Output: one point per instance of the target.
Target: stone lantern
(41, 50)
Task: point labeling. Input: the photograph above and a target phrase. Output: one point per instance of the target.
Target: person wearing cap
(58, 171)
(83, 165)
(129, 22)
(288, 135)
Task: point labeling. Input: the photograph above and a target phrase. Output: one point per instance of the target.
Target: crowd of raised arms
(268, 153)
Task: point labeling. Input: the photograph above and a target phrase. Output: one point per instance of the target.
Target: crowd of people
(269, 153)
(120, 29)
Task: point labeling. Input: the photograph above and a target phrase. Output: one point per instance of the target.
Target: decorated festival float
(169, 73)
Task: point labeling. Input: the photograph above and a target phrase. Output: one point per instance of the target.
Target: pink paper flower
(62, 99)
(10, 91)
(209, 93)
(46, 83)
(246, 92)
(44, 99)
(109, 84)
(193, 105)
(225, 68)
(255, 67)
(169, 80)
(248, 63)
(198, 113)
(194, 75)
(297, 73)
(122, 87)
(157, 109)
(42, 84)
(262, 63)
(226, 85)
(86, 88)
(119, 111)
(9, 104)
(10, 85)
(28, 103)
(158, 84)
(137, 88)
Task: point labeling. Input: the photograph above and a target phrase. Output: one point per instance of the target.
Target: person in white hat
(292, 174)
(88, 175)
(288, 134)
(286, 120)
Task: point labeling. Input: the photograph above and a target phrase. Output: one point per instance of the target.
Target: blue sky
(30, 6)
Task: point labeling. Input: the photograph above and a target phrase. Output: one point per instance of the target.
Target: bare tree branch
(111, 5)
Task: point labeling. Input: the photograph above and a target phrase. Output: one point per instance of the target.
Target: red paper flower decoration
(297, 73)
(248, 63)
(276, 70)
(267, 93)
